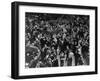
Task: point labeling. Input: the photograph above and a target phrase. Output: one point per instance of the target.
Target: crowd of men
(55, 40)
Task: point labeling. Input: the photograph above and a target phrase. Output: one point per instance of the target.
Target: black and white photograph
(56, 40)
(50, 40)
